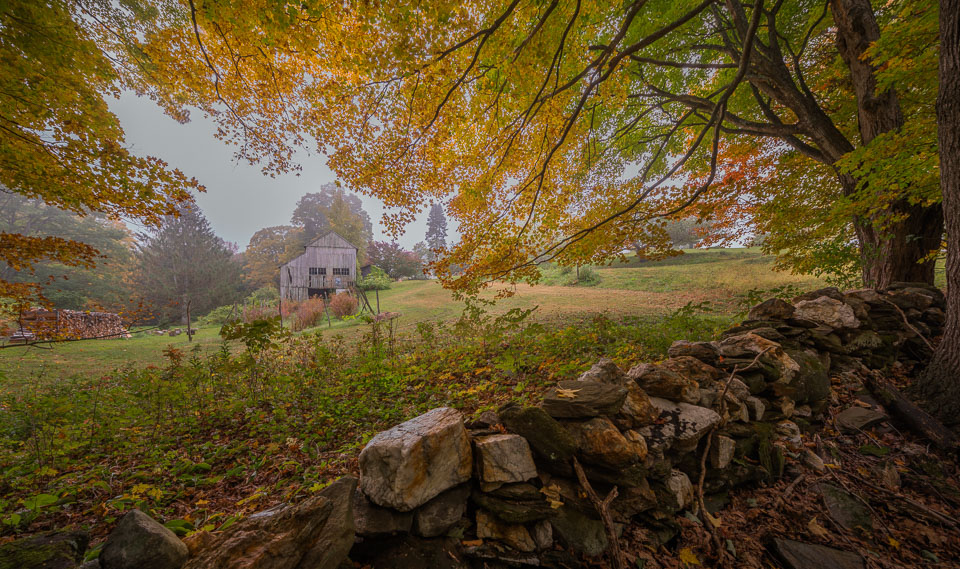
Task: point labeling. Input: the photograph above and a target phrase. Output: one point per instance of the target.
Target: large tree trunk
(900, 251)
(940, 384)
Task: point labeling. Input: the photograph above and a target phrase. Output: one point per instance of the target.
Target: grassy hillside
(648, 289)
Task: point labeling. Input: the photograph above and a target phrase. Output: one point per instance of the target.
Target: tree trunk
(940, 383)
(899, 251)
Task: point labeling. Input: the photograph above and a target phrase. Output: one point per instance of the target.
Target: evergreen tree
(183, 262)
(436, 230)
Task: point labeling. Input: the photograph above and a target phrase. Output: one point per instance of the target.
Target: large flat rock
(408, 465)
(798, 555)
(140, 542)
(583, 399)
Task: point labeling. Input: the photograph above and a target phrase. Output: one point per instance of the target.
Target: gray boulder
(605, 371)
(829, 311)
(140, 542)
(684, 427)
(503, 458)
(408, 465)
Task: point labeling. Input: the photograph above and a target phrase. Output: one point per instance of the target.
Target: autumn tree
(311, 212)
(67, 286)
(394, 260)
(347, 223)
(59, 141)
(269, 248)
(182, 264)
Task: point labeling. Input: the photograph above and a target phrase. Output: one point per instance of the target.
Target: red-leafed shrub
(307, 313)
(343, 304)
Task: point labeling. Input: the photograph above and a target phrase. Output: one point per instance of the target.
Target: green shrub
(220, 315)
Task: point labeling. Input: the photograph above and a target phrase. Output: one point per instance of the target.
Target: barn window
(318, 270)
(341, 271)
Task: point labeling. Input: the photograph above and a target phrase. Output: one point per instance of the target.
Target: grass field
(198, 433)
(636, 288)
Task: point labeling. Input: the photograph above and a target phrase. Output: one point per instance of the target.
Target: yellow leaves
(893, 543)
(553, 496)
(567, 393)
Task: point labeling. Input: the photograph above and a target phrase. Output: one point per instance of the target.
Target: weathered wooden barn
(327, 265)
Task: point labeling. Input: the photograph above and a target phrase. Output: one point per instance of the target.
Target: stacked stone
(502, 489)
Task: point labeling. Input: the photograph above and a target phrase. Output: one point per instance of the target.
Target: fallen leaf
(893, 543)
(472, 543)
(814, 527)
(689, 557)
(567, 393)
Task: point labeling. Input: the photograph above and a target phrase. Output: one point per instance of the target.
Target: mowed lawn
(647, 289)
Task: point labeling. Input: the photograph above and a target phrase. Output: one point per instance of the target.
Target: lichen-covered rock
(316, 534)
(828, 311)
(514, 535)
(773, 309)
(582, 399)
(605, 371)
(502, 459)
(600, 442)
(408, 465)
(437, 516)
(658, 381)
(637, 410)
(631, 501)
(547, 437)
(685, 424)
(140, 542)
(52, 550)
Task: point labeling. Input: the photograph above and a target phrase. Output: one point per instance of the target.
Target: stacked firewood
(71, 324)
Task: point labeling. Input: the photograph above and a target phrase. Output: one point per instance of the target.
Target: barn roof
(331, 239)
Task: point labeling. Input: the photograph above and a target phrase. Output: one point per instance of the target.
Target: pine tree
(436, 230)
(184, 263)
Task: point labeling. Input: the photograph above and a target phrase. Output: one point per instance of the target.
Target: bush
(343, 304)
(219, 316)
(264, 294)
(376, 280)
(307, 313)
(588, 277)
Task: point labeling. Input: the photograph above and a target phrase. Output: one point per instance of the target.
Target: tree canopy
(59, 141)
(564, 130)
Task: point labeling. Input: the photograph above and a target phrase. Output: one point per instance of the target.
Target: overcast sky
(239, 199)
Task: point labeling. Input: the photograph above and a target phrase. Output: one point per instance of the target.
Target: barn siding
(328, 251)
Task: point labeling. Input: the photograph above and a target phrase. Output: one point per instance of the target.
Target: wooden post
(329, 325)
(378, 301)
(280, 311)
(189, 328)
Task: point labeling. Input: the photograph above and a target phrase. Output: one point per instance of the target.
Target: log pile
(70, 324)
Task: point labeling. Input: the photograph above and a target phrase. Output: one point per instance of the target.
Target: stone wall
(503, 489)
